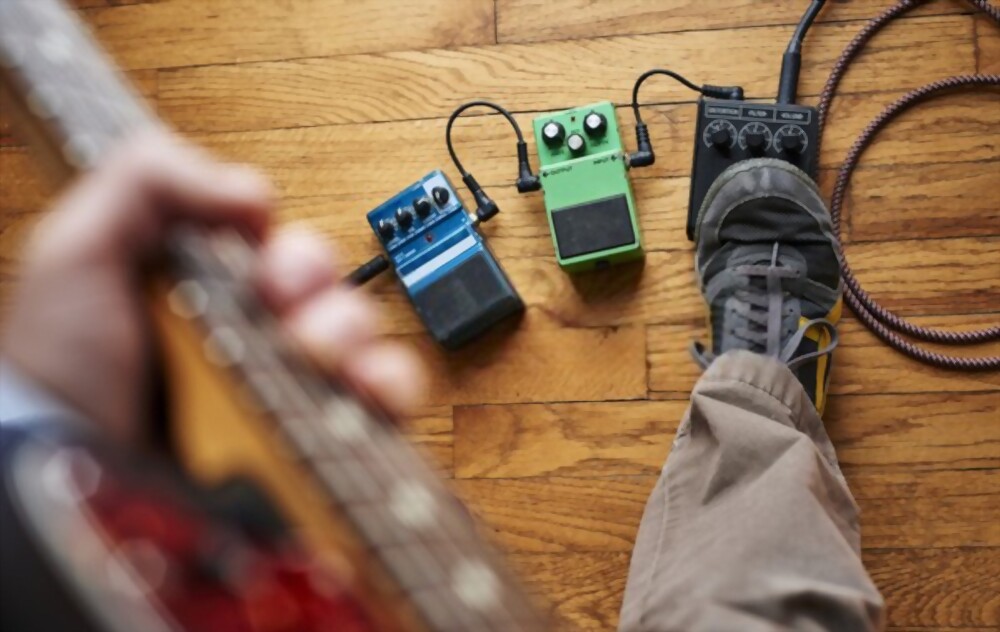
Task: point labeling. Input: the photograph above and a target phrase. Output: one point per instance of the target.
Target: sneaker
(766, 259)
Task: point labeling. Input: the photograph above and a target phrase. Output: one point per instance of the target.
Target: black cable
(471, 104)
(644, 155)
(486, 208)
(658, 71)
(368, 271)
(791, 61)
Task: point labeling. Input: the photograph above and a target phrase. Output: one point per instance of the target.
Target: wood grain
(864, 364)
(901, 433)
(931, 589)
(198, 32)
(900, 509)
(516, 365)
(340, 159)
(431, 83)
(555, 428)
(535, 20)
(987, 45)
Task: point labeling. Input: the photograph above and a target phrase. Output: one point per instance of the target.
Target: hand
(78, 324)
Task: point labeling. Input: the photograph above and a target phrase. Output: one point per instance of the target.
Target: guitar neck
(59, 82)
(54, 72)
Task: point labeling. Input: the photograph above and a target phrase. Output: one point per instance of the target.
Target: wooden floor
(555, 430)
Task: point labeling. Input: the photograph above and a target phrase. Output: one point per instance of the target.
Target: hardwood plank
(930, 588)
(903, 433)
(538, 77)
(574, 439)
(938, 587)
(519, 364)
(863, 363)
(890, 202)
(900, 509)
(345, 157)
(431, 429)
(987, 45)
(536, 20)
(197, 32)
(927, 509)
(662, 291)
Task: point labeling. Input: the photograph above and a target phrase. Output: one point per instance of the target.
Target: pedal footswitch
(588, 195)
(451, 277)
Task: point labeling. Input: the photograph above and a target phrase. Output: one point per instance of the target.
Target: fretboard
(64, 81)
(414, 527)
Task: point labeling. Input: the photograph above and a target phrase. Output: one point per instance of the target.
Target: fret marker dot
(346, 423)
(413, 505)
(475, 584)
(43, 103)
(81, 152)
(188, 299)
(55, 47)
(224, 347)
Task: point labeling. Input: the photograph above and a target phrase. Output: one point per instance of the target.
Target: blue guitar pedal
(450, 275)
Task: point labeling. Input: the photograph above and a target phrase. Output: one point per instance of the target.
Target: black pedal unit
(731, 131)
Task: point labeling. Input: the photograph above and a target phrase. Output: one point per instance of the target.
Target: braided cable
(883, 323)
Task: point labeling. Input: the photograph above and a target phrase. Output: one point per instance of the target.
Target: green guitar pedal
(588, 196)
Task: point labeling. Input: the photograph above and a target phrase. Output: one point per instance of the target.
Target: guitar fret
(351, 482)
(414, 527)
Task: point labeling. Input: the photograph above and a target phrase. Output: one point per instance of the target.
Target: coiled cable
(888, 326)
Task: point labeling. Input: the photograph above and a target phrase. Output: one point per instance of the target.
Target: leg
(751, 525)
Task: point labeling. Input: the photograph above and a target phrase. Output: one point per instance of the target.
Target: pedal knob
(792, 143)
(441, 196)
(721, 139)
(404, 218)
(553, 132)
(386, 229)
(756, 143)
(595, 124)
(576, 143)
(422, 206)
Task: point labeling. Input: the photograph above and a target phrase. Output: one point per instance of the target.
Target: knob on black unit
(756, 143)
(721, 139)
(784, 131)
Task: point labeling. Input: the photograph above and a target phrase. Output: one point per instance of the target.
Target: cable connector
(368, 271)
(486, 208)
(526, 180)
(643, 156)
(731, 93)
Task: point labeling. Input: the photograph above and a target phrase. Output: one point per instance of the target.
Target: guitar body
(218, 436)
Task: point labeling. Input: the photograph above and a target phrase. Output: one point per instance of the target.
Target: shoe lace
(761, 315)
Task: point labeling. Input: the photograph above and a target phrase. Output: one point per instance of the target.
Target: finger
(147, 184)
(333, 326)
(188, 184)
(295, 265)
(392, 374)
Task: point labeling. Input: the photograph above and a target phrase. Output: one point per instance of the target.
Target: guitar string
(321, 411)
(130, 117)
